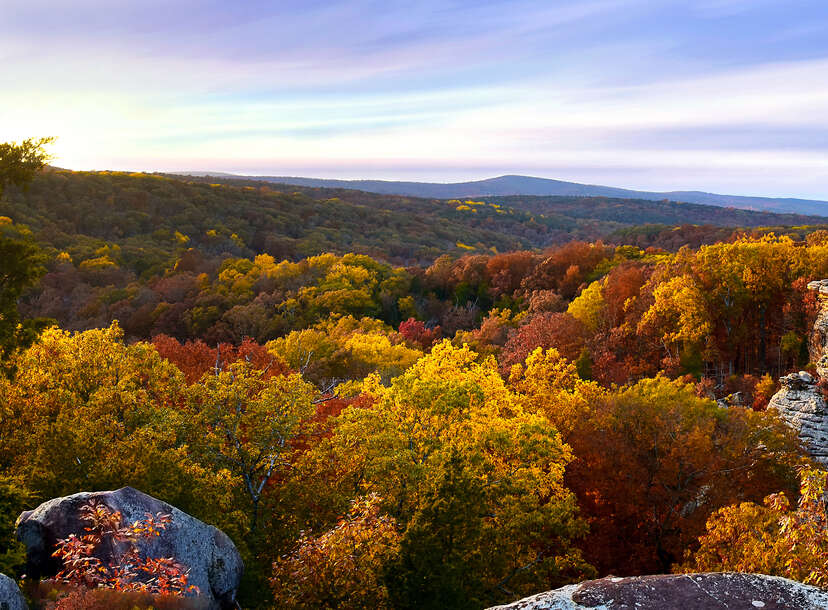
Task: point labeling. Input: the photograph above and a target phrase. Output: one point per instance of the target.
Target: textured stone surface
(818, 340)
(685, 591)
(214, 563)
(10, 596)
(801, 404)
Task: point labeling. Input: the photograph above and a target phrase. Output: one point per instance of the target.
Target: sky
(727, 96)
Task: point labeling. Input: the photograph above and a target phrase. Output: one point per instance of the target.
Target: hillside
(150, 219)
(544, 187)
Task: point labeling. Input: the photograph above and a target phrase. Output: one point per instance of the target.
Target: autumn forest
(395, 402)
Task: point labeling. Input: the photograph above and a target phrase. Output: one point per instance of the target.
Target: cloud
(654, 90)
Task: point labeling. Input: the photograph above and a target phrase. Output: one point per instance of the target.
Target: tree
(14, 499)
(653, 460)
(21, 262)
(21, 265)
(342, 567)
(19, 163)
(770, 539)
(434, 568)
(244, 422)
(453, 408)
(87, 411)
(546, 330)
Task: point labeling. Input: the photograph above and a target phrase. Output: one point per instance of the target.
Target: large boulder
(686, 591)
(214, 563)
(10, 596)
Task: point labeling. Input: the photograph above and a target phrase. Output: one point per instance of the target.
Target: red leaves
(131, 572)
(416, 333)
(194, 358)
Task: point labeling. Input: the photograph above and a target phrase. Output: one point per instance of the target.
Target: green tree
(440, 564)
(245, 422)
(19, 163)
(14, 499)
(21, 265)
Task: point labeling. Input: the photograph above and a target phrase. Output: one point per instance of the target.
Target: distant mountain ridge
(527, 185)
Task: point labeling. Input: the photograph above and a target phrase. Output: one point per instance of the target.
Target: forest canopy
(395, 402)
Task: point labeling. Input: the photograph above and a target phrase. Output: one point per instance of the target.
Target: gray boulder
(10, 596)
(801, 404)
(214, 563)
(680, 591)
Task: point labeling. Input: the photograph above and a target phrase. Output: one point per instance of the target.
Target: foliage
(132, 572)
(14, 499)
(195, 358)
(20, 163)
(773, 538)
(100, 414)
(345, 349)
(21, 264)
(342, 567)
(296, 369)
(653, 460)
(51, 596)
(449, 406)
(243, 422)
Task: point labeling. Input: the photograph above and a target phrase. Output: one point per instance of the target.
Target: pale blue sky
(718, 95)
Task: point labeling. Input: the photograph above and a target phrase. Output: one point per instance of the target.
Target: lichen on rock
(685, 591)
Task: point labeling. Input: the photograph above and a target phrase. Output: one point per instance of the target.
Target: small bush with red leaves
(83, 569)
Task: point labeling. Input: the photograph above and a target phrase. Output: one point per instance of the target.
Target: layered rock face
(214, 563)
(10, 596)
(802, 406)
(818, 341)
(800, 402)
(686, 591)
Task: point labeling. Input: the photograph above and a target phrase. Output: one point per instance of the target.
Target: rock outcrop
(685, 591)
(10, 596)
(214, 563)
(800, 402)
(818, 341)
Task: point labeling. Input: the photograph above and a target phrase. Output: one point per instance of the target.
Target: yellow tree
(89, 412)
(450, 423)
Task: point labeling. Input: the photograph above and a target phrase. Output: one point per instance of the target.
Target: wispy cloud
(648, 93)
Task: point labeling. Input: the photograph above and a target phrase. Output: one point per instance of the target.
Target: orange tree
(342, 567)
(653, 460)
(773, 538)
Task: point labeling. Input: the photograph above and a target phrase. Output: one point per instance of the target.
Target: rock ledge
(705, 591)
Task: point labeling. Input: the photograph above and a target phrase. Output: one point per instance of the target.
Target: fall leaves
(545, 442)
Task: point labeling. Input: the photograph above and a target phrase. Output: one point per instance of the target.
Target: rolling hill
(145, 221)
(528, 185)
